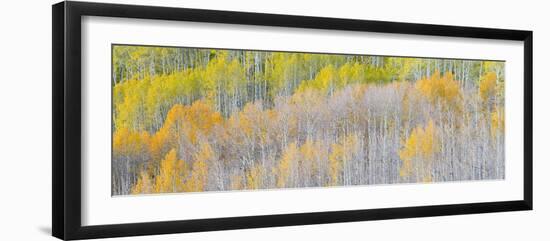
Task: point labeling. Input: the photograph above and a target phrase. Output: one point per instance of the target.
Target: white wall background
(25, 119)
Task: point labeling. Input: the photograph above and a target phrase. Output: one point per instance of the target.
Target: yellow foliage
(408, 64)
(488, 86)
(198, 178)
(286, 164)
(213, 75)
(344, 75)
(341, 153)
(418, 152)
(254, 177)
(128, 143)
(159, 144)
(171, 173)
(221, 74)
(350, 74)
(440, 88)
(199, 172)
(143, 185)
(497, 121)
(130, 104)
(285, 70)
(325, 80)
(311, 154)
(335, 164)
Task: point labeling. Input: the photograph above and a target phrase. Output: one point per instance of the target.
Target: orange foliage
(192, 121)
(128, 143)
(440, 88)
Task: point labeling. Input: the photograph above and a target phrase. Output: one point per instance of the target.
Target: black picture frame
(67, 86)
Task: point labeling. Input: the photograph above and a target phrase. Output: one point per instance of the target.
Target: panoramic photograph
(188, 119)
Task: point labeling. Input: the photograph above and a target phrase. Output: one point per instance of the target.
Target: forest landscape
(198, 120)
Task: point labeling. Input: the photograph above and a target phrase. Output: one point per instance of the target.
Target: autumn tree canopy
(193, 120)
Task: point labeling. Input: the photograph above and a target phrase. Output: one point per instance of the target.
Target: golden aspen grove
(196, 120)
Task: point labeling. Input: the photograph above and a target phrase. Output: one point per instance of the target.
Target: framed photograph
(171, 120)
